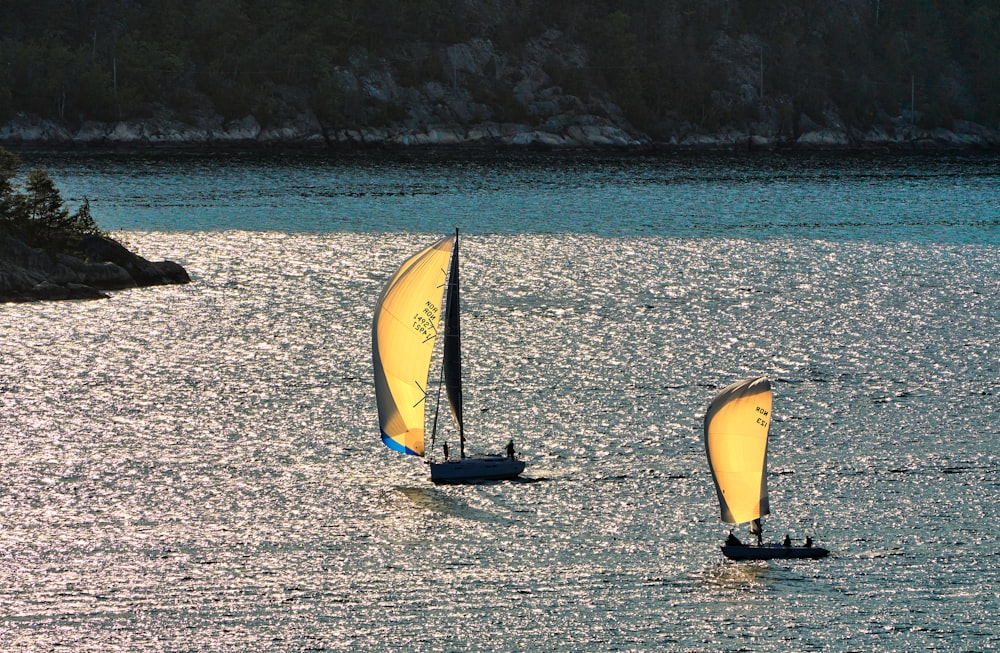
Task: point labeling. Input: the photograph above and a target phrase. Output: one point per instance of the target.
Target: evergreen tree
(12, 210)
(45, 204)
(38, 215)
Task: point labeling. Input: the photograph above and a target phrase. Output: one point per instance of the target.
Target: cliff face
(670, 74)
(424, 113)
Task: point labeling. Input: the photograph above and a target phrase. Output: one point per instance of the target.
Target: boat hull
(772, 552)
(478, 468)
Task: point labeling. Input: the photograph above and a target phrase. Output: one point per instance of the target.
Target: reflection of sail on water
(403, 333)
(736, 427)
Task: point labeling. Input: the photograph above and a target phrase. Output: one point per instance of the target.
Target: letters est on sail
(403, 332)
(736, 427)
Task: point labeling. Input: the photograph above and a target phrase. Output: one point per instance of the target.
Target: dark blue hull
(480, 468)
(772, 552)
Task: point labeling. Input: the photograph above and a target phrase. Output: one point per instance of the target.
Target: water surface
(199, 468)
(929, 199)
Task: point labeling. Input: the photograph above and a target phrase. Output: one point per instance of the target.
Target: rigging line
(419, 401)
(437, 406)
(437, 409)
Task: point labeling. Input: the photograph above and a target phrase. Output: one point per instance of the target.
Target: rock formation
(32, 274)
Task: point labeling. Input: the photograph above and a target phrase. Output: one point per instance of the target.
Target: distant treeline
(707, 62)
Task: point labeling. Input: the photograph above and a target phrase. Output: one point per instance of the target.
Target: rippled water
(199, 468)
(914, 198)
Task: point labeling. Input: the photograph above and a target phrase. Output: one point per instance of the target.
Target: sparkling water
(198, 468)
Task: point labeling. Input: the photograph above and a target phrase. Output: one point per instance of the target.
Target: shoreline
(475, 150)
(27, 131)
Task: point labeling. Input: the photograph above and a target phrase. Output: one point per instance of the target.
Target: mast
(453, 346)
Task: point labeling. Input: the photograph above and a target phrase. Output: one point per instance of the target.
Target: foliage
(37, 214)
(661, 61)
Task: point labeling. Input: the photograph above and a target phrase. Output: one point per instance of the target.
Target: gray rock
(479, 87)
(29, 274)
(105, 250)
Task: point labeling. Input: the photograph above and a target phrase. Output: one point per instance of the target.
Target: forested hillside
(665, 64)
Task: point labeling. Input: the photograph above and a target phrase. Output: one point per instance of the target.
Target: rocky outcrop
(564, 131)
(141, 271)
(32, 274)
(489, 100)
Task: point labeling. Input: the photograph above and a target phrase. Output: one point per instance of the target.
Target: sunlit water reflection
(199, 468)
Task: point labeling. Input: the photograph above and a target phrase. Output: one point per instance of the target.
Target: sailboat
(404, 330)
(736, 427)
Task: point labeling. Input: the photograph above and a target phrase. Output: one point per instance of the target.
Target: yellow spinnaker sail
(736, 426)
(403, 332)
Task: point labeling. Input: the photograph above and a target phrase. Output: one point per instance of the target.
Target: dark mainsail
(453, 345)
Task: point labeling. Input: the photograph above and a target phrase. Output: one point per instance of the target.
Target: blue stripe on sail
(395, 446)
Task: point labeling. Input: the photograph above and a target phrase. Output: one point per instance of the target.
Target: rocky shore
(562, 132)
(529, 109)
(33, 274)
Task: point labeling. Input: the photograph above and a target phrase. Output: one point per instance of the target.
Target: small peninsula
(49, 253)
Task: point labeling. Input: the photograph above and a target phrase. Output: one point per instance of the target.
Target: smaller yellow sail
(736, 428)
(404, 328)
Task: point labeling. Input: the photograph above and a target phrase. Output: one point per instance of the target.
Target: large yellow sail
(736, 427)
(403, 332)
